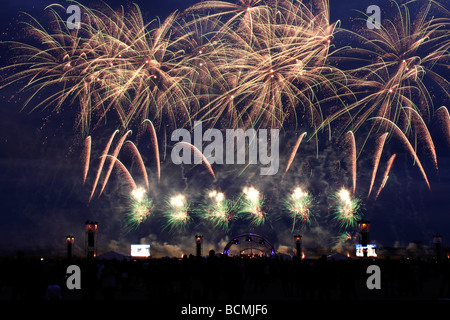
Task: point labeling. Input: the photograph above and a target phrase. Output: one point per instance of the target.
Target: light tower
(91, 238)
(69, 244)
(437, 240)
(198, 241)
(364, 229)
(298, 245)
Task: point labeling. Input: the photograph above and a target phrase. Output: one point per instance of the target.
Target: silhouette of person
(53, 291)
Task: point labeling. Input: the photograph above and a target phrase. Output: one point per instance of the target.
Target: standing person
(109, 280)
(53, 291)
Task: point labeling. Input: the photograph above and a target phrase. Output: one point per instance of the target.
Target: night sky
(43, 199)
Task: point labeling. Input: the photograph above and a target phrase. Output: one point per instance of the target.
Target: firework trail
(386, 174)
(155, 146)
(204, 160)
(353, 158)
(165, 143)
(294, 152)
(114, 156)
(176, 212)
(298, 205)
(137, 155)
(86, 157)
(123, 171)
(445, 119)
(379, 149)
(102, 162)
(425, 133)
(409, 147)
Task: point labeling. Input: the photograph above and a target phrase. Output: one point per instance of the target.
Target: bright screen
(140, 250)
(371, 250)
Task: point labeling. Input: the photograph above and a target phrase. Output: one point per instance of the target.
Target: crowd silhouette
(217, 277)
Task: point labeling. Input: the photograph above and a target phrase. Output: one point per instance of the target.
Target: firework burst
(273, 65)
(217, 210)
(346, 209)
(343, 237)
(255, 62)
(176, 212)
(406, 62)
(248, 63)
(114, 62)
(252, 202)
(298, 205)
(139, 208)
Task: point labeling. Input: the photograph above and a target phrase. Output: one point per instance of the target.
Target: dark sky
(42, 198)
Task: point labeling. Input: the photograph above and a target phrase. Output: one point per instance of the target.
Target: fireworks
(113, 158)
(218, 210)
(298, 204)
(176, 212)
(408, 145)
(404, 54)
(86, 157)
(381, 140)
(252, 205)
(264, 64)
(352, 159)
(114, 62)
(252, 63)
(102, 162)
(294, 152)
(445, 121)
(274, 63)
(139, 208)
(246, 64)
(138, 194)
(346, 209)
(140, 161)
(198, 153)
(343, 237)
(386, 173)
(155, 146)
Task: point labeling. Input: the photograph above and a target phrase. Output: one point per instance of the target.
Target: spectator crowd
(219, 277)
